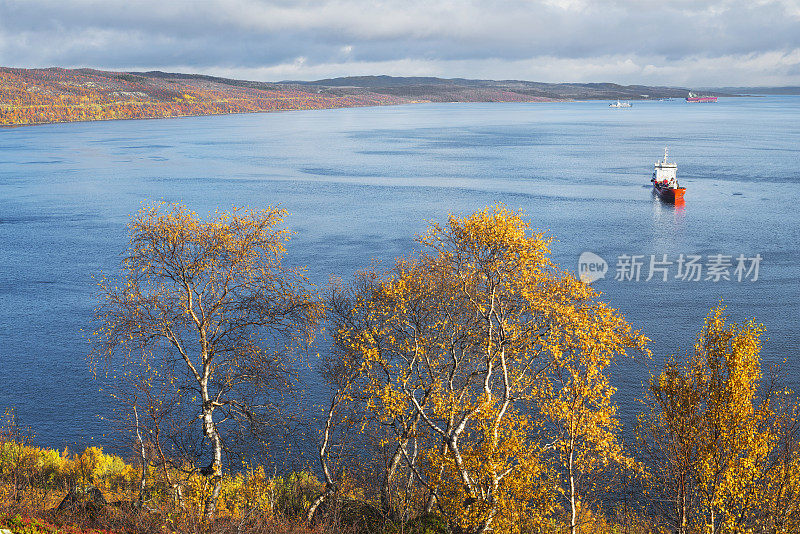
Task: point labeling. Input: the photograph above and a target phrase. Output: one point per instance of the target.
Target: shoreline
(373, 105)
(191, 115)
(34, 97)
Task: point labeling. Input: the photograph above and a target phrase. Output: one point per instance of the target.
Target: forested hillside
(59, 95)
(37, 96)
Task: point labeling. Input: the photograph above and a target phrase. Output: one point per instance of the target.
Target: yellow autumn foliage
(465, 352)
(722, 440)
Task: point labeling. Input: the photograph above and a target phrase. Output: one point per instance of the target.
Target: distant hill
(761, 90)
(35, 96)
(462, 89)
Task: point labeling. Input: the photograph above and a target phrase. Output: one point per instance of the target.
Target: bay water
(360, 183)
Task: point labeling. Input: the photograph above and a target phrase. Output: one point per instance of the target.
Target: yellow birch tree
(718, 438)
(733, 442)
(460, 344)
(210, 303)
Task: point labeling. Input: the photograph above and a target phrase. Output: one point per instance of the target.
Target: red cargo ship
(698, 98)
(665, 180)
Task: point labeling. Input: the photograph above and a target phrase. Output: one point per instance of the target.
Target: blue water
(359, 183)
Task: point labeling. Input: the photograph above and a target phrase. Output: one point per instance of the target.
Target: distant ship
(620, 105)
(665, 180)
(700, 98)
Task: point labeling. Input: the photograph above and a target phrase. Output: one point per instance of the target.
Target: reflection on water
(664, 211)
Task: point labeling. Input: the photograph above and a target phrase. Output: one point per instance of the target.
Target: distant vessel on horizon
(620, 105)
(693, 97)
(665, 180)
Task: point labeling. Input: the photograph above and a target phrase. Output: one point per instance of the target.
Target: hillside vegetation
(58, 95)
(37, 96)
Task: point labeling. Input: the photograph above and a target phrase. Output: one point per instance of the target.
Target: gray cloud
(580, 40)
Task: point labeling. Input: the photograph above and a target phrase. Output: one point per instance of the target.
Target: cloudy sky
(671, 42)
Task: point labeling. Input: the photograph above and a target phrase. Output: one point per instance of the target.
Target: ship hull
(668, 194)
(701, 99)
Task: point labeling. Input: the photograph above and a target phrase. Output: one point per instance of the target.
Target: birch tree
(459, 345)
(580, 416)
(210, 303)
(669, 433)
(733, 443)
(723, 442)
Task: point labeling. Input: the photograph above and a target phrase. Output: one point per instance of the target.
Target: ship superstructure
(665, 179)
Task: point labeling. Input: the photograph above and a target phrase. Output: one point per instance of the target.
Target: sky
(692, 43)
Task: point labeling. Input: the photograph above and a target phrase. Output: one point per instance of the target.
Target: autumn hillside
(39, 96)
